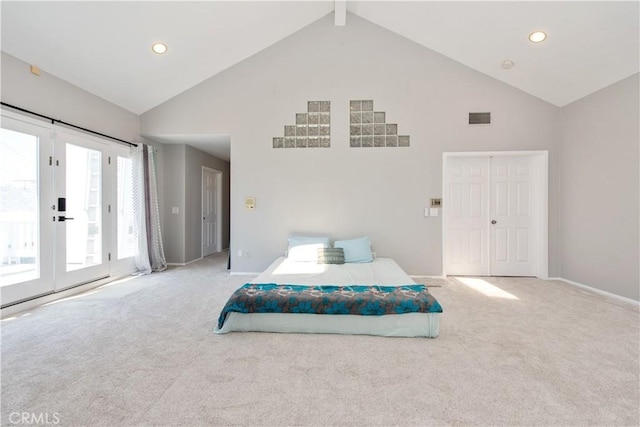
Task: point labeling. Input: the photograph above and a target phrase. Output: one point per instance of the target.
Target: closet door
(490, 215)
(466, 207)
(511, 232)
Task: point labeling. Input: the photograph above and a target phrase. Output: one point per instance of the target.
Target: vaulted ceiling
(105, 47)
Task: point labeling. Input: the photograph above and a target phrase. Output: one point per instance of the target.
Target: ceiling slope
(590, 45)
(105, 47)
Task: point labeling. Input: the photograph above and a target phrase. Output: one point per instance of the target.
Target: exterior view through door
(495, 214)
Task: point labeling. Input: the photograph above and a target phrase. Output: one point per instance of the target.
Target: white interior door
(209, 211)
(492, 219)
(467, 216)
(512, 234)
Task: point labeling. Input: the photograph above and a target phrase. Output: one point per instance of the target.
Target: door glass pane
(126, 238)
(18, 207)
(84, 205)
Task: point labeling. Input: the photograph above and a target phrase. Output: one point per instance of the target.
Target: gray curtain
(150, 253)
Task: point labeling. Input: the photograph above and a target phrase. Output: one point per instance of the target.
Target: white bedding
(382, 271)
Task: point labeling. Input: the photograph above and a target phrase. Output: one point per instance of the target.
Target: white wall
(51, 96)
(599, 190)
(342, 191)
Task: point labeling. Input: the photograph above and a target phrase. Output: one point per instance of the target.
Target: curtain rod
(54, 121)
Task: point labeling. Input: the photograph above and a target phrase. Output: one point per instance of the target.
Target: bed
(296, 287)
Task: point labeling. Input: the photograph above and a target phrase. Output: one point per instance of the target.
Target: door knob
(63, 218)
(493, 221)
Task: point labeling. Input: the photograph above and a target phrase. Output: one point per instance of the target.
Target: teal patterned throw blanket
(364, 300)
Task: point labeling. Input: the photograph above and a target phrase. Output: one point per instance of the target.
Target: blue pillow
(305, 249)
(355, 250)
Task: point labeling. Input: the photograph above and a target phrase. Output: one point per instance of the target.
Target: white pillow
(305, 249)
(355, 250)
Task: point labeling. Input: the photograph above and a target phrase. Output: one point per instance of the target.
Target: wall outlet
(239, 253)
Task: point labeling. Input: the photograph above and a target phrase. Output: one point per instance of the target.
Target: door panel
(80, 254)
(26, 187)
(467, 216)
(209, 212)
(512, 251)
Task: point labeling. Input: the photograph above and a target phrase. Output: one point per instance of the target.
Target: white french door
(26, 231)
(81, 253)
(58, 190)
(495, 214)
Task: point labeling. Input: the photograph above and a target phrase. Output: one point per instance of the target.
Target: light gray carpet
(144, 353)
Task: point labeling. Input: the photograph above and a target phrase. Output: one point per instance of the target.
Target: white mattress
(382, 271)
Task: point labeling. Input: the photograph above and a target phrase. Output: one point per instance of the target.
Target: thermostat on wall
(250, 203)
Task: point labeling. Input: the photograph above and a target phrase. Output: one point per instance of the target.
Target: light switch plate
(250, 203)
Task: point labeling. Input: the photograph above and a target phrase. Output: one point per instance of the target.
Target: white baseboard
(178, 264)
(241, 273)
(420, 276)
(597, 291)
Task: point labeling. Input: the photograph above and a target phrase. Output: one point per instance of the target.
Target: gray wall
(347, 192)
(51, 96)
(173, 237)
(599, 189)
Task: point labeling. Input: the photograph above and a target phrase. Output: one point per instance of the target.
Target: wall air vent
(479, 118)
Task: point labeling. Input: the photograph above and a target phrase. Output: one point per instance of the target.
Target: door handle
(493, 221)
(63, 218)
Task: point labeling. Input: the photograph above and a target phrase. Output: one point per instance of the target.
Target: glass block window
(311, 129)
(368, 128)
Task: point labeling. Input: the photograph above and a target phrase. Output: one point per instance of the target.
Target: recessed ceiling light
(537, 37)
(159, 48)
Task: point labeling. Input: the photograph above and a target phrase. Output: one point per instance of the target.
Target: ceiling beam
(340, 11)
